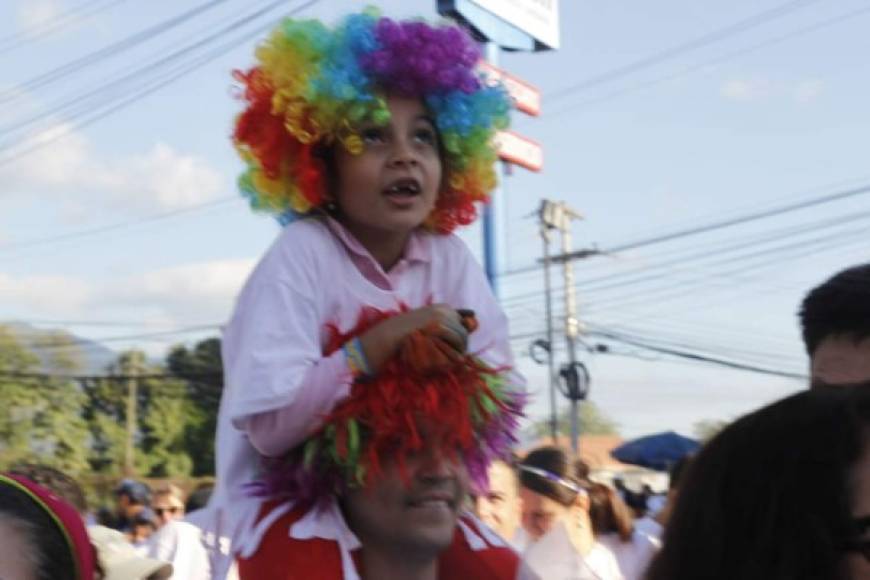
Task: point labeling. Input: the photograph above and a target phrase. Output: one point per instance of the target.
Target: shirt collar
(418, 248)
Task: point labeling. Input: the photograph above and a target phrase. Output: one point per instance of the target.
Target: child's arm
(326, 381)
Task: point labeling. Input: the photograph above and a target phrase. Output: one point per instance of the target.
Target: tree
(202, 368)
(593, 421)
(162, 408)
(40, 417)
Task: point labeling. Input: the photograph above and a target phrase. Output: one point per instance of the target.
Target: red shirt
(280, 557)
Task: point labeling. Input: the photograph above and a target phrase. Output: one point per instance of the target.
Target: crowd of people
(371, 404)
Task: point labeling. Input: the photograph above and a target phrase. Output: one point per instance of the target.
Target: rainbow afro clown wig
(314, 87)
(427, 394)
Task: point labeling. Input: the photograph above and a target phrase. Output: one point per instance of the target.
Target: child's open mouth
(403, 188)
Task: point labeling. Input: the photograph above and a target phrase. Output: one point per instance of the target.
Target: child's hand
(381, 341)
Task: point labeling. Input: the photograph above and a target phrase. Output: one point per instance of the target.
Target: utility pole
(548, 301)
(131, 370)
(558, 216)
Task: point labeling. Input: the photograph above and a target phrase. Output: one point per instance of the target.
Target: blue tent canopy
(659, 451)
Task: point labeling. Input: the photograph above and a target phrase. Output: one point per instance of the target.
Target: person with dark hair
(835, 320)
(131, 498)
(44, 537)
(557, 538)
(380, 491)
(613, 526)
(780, 494)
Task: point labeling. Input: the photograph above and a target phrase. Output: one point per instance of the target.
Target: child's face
(391, 187)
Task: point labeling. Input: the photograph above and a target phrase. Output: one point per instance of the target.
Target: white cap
(120, 560)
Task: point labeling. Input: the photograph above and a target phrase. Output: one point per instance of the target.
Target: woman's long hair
(769, 497)
(608, 513)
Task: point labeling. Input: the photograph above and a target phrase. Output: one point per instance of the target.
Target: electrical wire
(110, 51)
(83, 103)
(847, 17)
(699, 357)
(680, 49)
(56, 24)
(125, 225)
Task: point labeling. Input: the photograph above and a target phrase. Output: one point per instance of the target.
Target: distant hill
(92, 356)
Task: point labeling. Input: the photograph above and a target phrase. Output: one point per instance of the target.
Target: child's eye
(426, 136)
(372, 135)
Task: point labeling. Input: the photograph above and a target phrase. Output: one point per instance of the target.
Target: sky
(120, 220)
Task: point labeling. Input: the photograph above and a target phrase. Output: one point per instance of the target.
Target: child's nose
(403, 153)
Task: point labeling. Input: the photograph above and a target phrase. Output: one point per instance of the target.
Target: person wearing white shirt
(556, 537)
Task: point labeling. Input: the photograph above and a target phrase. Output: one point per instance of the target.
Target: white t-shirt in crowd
(632, 557)
(186, 546)
(554, 557)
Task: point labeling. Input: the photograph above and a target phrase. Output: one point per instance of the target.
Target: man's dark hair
(774, 487)
(677, 472)
(838, 307)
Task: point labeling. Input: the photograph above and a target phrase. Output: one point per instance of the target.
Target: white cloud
(196, 293)
(35, 14)
(808, 91)
(752, 90)
(68, 169)
(47, 295)
(199, 291)
(746, 90)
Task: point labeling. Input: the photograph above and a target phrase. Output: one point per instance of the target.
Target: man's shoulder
(311, 557)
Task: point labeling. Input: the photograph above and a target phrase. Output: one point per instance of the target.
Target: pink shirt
(278, 384)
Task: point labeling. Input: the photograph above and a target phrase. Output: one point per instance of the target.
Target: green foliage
(593, 421)
(162, 410)
(201, 367)
(81, 426)
(40, 420)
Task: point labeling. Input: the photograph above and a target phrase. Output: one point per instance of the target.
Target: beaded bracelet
(356, 358)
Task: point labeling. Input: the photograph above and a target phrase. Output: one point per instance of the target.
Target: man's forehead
(841, 360)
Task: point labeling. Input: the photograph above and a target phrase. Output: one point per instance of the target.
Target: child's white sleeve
(277, 382)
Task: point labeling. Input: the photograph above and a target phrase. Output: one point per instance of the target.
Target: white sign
(537, 18)
(526, 97)
(519, 150)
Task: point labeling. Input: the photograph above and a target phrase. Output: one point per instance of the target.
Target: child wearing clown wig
(371, 141)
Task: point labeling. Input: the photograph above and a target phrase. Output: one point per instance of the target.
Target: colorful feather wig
(427, 391)
(313, 87)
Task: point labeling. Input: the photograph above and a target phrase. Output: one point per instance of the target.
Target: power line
(117, 226)
(698, 357)
(853, 192)
(49, 376)
(55, 24)
(686, 261)
(138, 75)
(707, 63)
(57, 74)
(669, 53)
(63, 342)
(672, 290)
